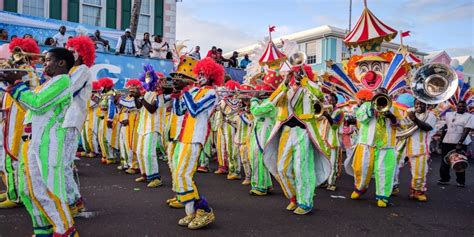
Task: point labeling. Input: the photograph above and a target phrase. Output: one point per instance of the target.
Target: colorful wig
(133, 82)
(232, 85)
(85, 47)
(148, 78)
(212, 71)
(365, 94)
(106, 83)
(96, 86)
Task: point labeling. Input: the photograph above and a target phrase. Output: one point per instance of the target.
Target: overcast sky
(230, 24)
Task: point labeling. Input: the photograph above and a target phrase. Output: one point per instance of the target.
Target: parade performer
(196, 105)
(225, 140)
(416, 146)
(13, 129)
(330, 123)
(44, 193)
(148, 127)
(244, 128)
(89, 133)
(83, 49)
(128, 118)
(183, 79)
(104, 131)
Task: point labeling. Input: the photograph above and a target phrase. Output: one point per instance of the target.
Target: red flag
(406, 33)
(271, 28)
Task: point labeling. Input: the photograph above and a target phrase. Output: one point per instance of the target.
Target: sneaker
(301, 211)
(355, 195)
(3, 197)
(257, 192)
(324, 185)
(442, 182)
(186, 220)
(170, 200)
(233, 177)
(220, 171)
(202, 169)
(461, 185)
(155, 183)
(202, 219)
(291, 206)
(419, 197)
(381, 203)
(131, 171)
(395, 190)
(8, 204)
(140, 179)
(120, 168)
(110, 162)
(103, 160)
(331, 188)
(176, 204)
(246, 182)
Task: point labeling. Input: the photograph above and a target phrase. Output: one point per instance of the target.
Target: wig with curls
(133, 82)
(232, 85)
(27, 45)
(365, 94)
(85, 47)
(210, 70)
(106, 82)
(96, 86)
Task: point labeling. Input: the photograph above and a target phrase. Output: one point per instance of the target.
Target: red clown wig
(210, 70)
(232, 85)
(106, 83)
(134, 83)
(27, 45)
(96, 86)
(85, 47)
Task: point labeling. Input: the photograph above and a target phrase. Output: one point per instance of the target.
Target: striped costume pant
(127, 156)
(206, 153)
(334, 160)
(370, 161)
(42, 188)
(146, 152)
(105, 148)
(171, 161)
(419, 169)
(70, 147)
(295, 166)
(224, 145)
(11, 178)
(185, 161)
(244, 158)
(89, 138)
(260, 179)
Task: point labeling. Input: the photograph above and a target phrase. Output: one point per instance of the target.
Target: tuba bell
(298, 59)
(381, 102)
(434, 83)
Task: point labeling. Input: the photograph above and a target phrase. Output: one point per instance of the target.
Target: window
(311, 49)
(91, 12)
(144, 18)
(33, 7)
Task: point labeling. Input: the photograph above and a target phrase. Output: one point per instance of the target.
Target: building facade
(158, 17)
(323, 43)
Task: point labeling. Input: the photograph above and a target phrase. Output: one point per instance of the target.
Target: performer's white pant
(70, 148)
(334, 158)
(419, 169)
(146, 152)
(245, 159)
(186, 156)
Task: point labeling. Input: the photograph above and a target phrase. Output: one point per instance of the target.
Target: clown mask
(370, 71)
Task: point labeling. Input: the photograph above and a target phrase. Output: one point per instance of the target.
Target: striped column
(169, 21)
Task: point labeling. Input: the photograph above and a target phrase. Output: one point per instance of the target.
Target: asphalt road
(121, 207)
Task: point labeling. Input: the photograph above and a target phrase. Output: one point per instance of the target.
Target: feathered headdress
(149, 78)
(133, 82)
(106, 83)
(27, 45)
(211, 70)
(85, 47)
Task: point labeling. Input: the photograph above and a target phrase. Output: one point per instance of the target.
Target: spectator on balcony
(125, 44)
(49, 41)
(212, 53)
(13, 37)
(160, 48)
(233, 61)
(101, 44)
(144, 45)
(245, 62)
(196, 54)
(3, 34)
(61, 37)
(219, 58)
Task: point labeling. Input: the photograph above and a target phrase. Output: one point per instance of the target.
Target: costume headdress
(84, 47)
(133, 82)
(148, 78)
(211, 70)
(185, 68)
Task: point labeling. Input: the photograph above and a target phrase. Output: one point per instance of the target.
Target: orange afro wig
(85, 47)
(27, 45)
(210, 70)
(106, 82)
(365, 94)
(232, 85)
(133, 82)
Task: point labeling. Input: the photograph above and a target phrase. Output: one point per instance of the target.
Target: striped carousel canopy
(413, 59)
(271, 54)
(369, 29)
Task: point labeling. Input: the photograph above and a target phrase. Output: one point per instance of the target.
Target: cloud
(456, 52)
(463, 11)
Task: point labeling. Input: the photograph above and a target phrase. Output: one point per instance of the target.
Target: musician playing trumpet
(415, 137)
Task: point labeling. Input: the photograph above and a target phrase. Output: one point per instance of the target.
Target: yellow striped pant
(185, 161)
(147, 158)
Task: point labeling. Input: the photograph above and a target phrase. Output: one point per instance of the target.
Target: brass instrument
(298, 59)
(18, 59)
(319, 109)
(382, 103)
(115, 92)
(434, 83)
(407, 126)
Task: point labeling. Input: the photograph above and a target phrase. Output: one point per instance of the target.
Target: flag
(271, 28)
(406, 33)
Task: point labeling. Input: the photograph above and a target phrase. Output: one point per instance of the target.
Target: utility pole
(135, 16)
(350, 25)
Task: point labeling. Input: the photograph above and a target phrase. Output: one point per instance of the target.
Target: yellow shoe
(257, 193)
(246, 182)
(422, 198)
(131, 171)
(176, 205)
(8, 204)
(292, 206)
(233, 177)
(395, 190)
(73, 210)
(355, 195)
(202, 219)
(109, 162)
(155, 183)
(186, 220)
(331, 188)
(220, 171)
(301, 211)
(381, 203)
(173, 199)
(141, 179)
(3, 197)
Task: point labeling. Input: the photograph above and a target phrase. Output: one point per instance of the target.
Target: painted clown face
(371, 72)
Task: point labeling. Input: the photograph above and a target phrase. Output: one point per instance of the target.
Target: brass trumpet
(382, 102)
(319, 109)
(115, 92)
(18, 59)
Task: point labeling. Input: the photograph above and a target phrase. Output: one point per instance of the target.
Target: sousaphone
(434, 83)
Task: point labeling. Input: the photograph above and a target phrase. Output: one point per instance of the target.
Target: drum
(457, 161)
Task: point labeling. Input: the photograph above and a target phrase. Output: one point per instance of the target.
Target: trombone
(18, 59)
